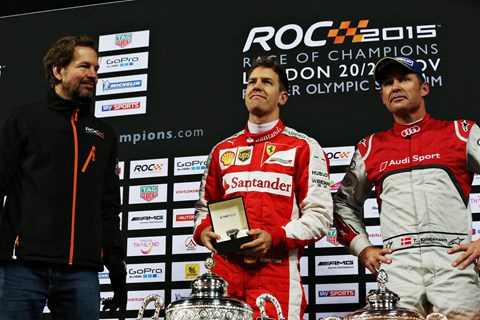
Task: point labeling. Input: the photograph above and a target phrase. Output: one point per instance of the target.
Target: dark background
(195, 77)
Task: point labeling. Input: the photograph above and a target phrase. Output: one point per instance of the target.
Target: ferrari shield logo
(148, 193)
(270, 149)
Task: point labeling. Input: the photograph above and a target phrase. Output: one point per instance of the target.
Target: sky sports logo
(321, 33)
(336, 293)
(121, 107)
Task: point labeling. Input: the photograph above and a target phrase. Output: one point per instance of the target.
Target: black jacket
(59, 171)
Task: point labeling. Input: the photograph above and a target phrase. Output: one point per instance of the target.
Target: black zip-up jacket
(59, 173)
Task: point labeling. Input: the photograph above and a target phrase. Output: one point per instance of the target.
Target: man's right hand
(207, 236)
(372, 257)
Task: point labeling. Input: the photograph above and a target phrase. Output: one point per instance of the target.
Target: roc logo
(270, 149)
(346, 31)
(148, 193)
(192, 270)
(332, 236)
(227, 158)
(123, 40)
(244, 155)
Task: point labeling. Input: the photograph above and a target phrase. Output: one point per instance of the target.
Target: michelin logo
(125, 84)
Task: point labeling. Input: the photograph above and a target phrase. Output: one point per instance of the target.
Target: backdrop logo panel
(123, 62)
(147, 219)
(146, 246)
(149, 168)
(183, 217)
(124, 84)
(187, 271)
(145, 272)
(190, 165)
(337, 293)
(121, 41)
(147, 193)
(339, 156)
(121, 107)
(336, 264)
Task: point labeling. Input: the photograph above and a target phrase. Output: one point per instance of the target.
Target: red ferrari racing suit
(283, 177)
(422, 174)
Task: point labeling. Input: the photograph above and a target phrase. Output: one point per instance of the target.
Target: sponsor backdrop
(172, 81)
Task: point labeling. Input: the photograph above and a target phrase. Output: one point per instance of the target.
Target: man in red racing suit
(283, 177)
(422, 173)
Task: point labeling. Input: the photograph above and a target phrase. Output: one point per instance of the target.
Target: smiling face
(78, 79)
(403, 94)
(263, 96)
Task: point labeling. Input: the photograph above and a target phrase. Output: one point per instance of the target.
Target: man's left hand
(259, 246)
(471, 254)
(118, 281)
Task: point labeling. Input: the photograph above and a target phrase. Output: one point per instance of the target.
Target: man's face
(263, 95)
(78, 79)
(402, 91)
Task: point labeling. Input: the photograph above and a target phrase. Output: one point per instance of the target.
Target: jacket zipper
(15, 245)
(91, 157)
(74, 119)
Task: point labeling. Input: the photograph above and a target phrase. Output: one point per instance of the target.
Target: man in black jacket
(60, 221)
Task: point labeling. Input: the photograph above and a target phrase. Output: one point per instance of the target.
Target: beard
(79, 93)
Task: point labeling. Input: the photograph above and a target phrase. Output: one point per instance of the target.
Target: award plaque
(229, 220)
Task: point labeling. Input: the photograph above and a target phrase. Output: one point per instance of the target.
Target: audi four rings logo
(409, 131)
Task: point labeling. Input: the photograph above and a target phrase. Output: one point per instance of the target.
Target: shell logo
(227, 157)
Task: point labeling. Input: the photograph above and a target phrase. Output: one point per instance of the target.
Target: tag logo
(123, 40)
(148, 193)
(332, 236)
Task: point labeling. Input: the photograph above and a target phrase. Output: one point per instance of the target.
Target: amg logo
(336, 263)
(147, 218)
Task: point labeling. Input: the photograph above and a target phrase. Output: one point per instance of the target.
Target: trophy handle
(436, 316)
(262, 300)
(158, 306)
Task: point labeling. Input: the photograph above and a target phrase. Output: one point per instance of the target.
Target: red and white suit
(283, 177)
(422, 175)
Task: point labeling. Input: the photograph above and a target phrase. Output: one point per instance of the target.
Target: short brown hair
(61, 53)
(274, 64)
